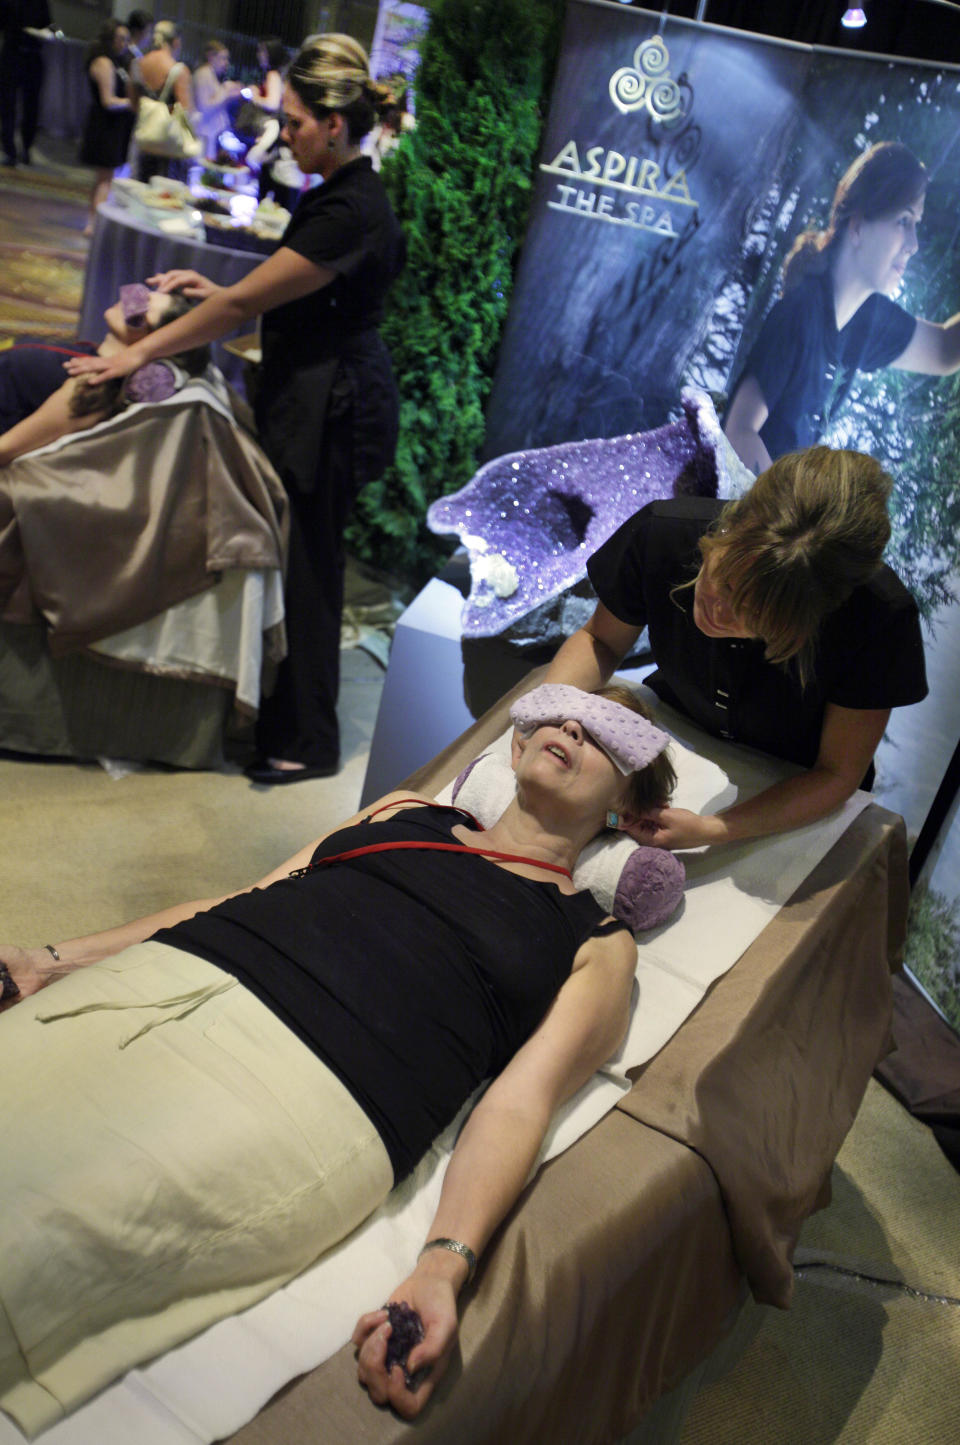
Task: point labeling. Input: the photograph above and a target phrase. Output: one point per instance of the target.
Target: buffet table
(125, 248)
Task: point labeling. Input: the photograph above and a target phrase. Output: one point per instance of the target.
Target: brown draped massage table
(627, 1260)
(113, 529)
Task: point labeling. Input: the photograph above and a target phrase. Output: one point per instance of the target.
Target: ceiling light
(854, 18)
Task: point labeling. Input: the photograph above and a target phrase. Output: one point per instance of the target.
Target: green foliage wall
(460, 184)
(933, 948)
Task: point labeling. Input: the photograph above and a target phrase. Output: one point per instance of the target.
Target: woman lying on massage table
(38, 407)
(203, 1114)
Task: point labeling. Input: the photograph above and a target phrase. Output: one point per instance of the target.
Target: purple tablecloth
(124, 249)
(65, 97)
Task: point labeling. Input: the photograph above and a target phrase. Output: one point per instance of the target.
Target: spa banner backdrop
(679, 164)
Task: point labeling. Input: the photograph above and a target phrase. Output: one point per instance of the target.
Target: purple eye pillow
(134, 302)
(629, 740)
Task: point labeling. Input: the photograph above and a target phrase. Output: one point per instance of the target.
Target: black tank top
(413, 975)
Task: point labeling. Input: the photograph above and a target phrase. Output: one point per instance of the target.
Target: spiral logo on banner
(647, 85)
(638, 178)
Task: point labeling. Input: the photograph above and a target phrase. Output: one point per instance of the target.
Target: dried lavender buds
(406, 1330)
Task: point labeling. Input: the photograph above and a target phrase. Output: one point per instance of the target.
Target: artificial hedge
(460, 184)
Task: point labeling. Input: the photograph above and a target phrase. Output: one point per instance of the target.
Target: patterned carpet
(42, 251)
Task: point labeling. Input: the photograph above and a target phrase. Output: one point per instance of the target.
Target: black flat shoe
(266, 775)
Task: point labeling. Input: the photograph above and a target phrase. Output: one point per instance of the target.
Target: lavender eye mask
(134, 302)
(629, 740)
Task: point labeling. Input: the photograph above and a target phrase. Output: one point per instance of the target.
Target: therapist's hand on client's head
(194, 286)
(106, 368)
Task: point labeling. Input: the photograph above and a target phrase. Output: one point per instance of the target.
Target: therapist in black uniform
(326, 404)
(773, 622)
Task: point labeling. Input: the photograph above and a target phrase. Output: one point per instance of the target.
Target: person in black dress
(106, 134)
(326, 402)
(773, 622)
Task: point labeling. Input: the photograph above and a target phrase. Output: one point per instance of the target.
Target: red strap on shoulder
(432, 848)
(46, 346)
(427, 846)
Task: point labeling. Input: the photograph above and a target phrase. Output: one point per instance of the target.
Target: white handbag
(163, 129)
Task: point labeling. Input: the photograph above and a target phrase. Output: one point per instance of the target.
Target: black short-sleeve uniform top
(869, 651)
(804, 366)
(414, 975)
(323, 350)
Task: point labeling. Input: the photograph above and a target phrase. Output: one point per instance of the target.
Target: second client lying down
(38, 405)
(220, 1092)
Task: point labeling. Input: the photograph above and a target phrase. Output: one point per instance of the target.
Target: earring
(613, 819)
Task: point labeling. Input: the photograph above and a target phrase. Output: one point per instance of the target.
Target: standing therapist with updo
(774, 623)
(326, 403)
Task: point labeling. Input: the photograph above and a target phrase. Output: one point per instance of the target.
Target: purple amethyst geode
(531, 519)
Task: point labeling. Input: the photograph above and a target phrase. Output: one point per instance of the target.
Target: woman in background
(272, 58)
(140, 25)
(837, 316)
(163, 75)
(263, 118)
(106, 134)
(385, 136)
(326, 402)
(211, 93)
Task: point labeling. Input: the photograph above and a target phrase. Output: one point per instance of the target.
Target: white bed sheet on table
(210, 1386)
(217, 634)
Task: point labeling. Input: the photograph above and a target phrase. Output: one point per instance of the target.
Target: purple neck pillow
(153, 382)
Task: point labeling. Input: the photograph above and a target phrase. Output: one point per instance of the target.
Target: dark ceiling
(910, 29)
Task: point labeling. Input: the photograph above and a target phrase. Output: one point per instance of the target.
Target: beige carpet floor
(82, 848)
(856, 1362)
(43, 209)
